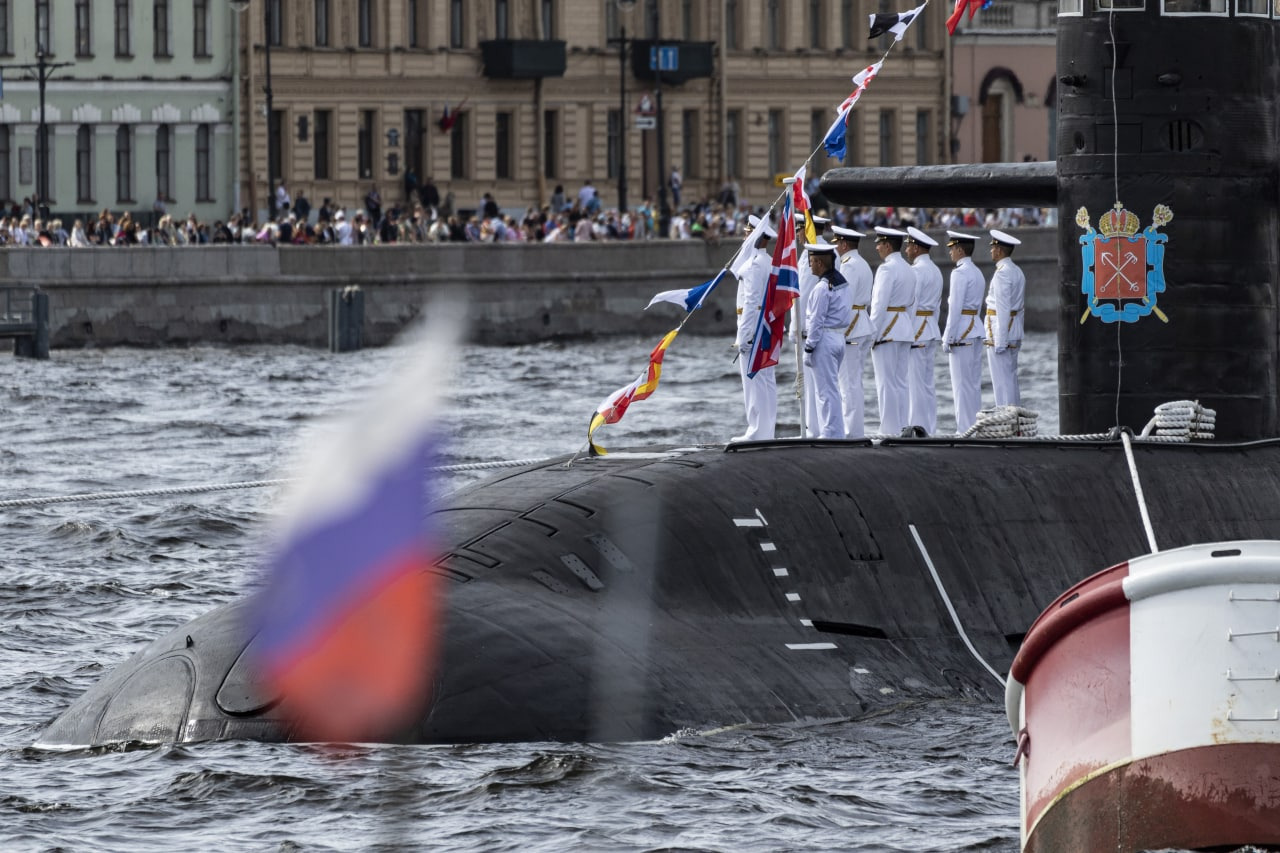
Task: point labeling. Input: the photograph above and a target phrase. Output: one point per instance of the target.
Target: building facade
(1003, 66)
(136, 105)
(360, 90)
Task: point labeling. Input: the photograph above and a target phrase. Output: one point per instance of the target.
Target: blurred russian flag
(349, 621)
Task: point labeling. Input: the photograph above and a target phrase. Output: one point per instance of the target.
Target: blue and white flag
(834, 141)
(689, 298)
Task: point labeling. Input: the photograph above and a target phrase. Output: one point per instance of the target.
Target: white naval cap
(820, 247)
(960, 237)
(753, 221)
(817, 220)
(890, 232)
(917, 236)
(1004, 239)
(849, 233)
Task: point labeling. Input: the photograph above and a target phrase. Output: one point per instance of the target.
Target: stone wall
(517, 293)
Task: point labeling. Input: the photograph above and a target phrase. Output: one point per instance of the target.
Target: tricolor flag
(800, 198)
(613, 407)
(893, 22)
(450, 116)
(346, 628)
(690, 298)
(958, 12)
(834, 141)
(782, 290)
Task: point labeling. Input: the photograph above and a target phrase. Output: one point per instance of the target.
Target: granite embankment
(517, 293)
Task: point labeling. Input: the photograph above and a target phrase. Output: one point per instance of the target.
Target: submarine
(642, 593)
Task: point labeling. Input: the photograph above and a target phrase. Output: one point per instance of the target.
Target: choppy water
(85, 585)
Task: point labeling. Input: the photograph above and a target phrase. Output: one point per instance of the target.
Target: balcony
(523, 59)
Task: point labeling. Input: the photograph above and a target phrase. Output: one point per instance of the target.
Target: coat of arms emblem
(1123, 270)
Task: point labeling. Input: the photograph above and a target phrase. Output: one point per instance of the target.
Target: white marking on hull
(793, 596)
(760, 515)
(768, 546)
(748, 522)
(808, 623)
(810, 647)
(779, 573)
(861, 670)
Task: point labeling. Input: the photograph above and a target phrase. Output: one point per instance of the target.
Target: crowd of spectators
(578, 218)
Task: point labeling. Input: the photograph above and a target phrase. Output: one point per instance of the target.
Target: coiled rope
(1182, 420)
(1004, 422)
(223, 487)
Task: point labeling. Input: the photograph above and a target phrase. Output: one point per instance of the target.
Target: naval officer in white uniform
(807, 281)
(892, 295)
(962, 338)
(826, 318)
(857, 337)
(923, 411)
(760, 392)
(1005, 304)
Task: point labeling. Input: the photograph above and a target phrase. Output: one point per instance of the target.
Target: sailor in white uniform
(1005, 305)
(857, 337)
(923, 411)
(962, 338)
(826, 317)
(892, 295)
(759, 393)
(807, 281)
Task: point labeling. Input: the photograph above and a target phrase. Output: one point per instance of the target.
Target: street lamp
(240, 6)
(664, 212)
(43, 69)
(621, 41)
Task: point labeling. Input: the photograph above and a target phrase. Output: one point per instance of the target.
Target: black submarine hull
(636, 595)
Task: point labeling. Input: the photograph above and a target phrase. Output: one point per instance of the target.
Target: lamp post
(621, 41)
(664, 212)
(42, 68)
(240, 6)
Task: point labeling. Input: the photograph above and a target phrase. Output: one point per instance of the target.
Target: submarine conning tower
(1194, 126)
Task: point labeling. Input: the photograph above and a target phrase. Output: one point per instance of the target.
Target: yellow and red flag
(611, 410)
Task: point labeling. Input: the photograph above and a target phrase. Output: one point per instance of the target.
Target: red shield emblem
(1121, 268)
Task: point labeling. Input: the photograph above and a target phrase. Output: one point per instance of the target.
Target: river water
(87, 584)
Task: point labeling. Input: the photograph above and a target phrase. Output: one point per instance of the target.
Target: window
(885, 40)
(164, 161)
(731, 39)
(613, 148)
(200, 28)
(1252, 7)
(322, 23)
(848, 24)
(924, 137)
(612, 26)
(320, 140)
(84, 163)
(275, 146)
(888, 138)
(689, 143)
(1195, 7)
(84, 29)
(6, 43)
(44, 165)
(124, 163)
(501, 24)
(417, 23)
(6, 149)
(43, 24)
(551, 144)
(273, 25)
(365, 15)
(414, 138)
(456, 24)
(687, 21)
(1070, 7)
(777, 156)
(1120, 5)
(459, 167)
(124, 40)
(853, 155)
(815, 24)
(817, 128)
(502, 146)
(772, 25)
(733, 144)
(548, 19)
(364, 144)
(651, 19)
(204, 163)
(160, 24)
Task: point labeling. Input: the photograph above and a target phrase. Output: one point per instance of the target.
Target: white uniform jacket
(1005, 302)
(893, 294)
(857, 272)
(751, 288)
(924, 316)
(827, 313)
(964, 303)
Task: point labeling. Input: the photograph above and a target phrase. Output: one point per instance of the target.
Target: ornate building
(136, 101)
(534, 94)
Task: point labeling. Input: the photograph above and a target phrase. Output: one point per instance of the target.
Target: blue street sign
(666, 58)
